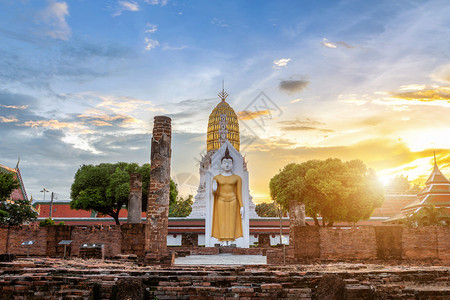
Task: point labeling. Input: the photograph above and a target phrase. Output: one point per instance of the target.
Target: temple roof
(20, 193)
(436, 192)
(436, 176)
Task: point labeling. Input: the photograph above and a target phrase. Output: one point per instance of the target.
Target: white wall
(174, 239)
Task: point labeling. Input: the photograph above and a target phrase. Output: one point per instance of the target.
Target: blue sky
(80, 83)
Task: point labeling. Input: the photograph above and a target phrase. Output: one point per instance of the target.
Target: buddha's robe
(226, 222)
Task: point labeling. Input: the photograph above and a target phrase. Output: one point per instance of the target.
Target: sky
(81, 81)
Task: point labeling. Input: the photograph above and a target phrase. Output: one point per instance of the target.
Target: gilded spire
(435, 162)
(223, 95)
(223, 125)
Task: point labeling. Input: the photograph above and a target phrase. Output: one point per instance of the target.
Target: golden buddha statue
(228, 207)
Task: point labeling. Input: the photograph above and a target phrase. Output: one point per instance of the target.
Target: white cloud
(331, 44)
(441, 74)
(328, 43)
(219, 22)
(54, 15)
(126, 6)
(151, 28)
(281, 63)
(157, 2)
(174, 48)
(150, 44)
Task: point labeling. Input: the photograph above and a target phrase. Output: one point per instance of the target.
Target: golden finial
(435, 163)
(223, 95)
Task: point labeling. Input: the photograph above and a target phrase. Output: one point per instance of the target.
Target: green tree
(105, 187)
(334, 190)
(46, 222)
(410, 220)
(432, 216)
(398, 184)
(7, 184)
(13, 212)
(181, 207)
(267, 209)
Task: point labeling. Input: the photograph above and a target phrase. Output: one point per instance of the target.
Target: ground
(48, 278)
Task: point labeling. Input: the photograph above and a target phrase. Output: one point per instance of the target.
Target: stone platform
(221, 259)
(46, 278)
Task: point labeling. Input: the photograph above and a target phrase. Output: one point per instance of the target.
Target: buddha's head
(227, 161)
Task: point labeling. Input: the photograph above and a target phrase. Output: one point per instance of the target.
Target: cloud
(441, 74)
(304, 128)
(306, 121)
(293, 86)
(303, 125)
(281, 63)
(52, 124)
(54, 16)
(404, 97)
(157, 2)
(334, 45)
(107, 120)
(14, 106)
(425, 95)
(174, 48)
(250, 115)
(8, 119)
(150, 44)
(121, 104)
(219, 23)
(296, 100)
(126, 6)
(151, 28)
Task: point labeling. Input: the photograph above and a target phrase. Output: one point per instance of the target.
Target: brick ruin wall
(364, 243)
(348, 243)
(157, 222)
(116, 240)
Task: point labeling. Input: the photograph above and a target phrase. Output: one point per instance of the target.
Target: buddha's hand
(242, 212)
(214, 186)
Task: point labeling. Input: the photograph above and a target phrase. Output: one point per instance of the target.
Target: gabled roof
(20, 193)
(436, 176)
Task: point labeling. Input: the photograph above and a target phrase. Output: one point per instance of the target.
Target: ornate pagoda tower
(223, 125)
(436, 192)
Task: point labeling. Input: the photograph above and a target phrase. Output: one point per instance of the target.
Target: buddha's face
(227, 164)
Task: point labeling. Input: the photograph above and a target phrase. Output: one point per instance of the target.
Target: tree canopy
(267, 209)
(334, 190)
(105, 187)
(182, 207)
(398, 184)
(7, 184)
(13, 212)
(428, 216)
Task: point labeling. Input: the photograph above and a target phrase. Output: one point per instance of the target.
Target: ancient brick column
(296, 218)
(135, 199)
(158, 194)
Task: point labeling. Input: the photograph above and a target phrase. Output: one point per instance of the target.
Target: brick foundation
(55, 279)
(366, 243)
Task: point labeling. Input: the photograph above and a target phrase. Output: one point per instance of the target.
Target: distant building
(20, 193)
(436, 192)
